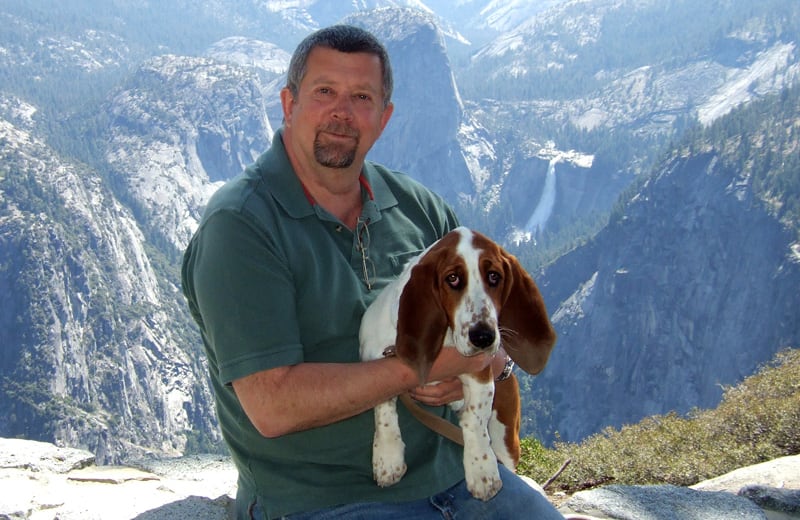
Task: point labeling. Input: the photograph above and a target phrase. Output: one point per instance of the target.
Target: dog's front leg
(480, 463)
(388, 448)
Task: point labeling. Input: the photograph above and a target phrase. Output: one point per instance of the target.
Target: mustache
(339, 129)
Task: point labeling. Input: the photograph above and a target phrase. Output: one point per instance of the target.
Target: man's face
(338, 112)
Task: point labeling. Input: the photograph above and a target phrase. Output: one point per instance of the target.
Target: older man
(285, 261)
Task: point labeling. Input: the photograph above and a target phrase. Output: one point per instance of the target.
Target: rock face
(422, 136)
(90, 326)
(692, 285)
(179, 128)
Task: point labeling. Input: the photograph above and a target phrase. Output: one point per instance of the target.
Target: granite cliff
(691, 286)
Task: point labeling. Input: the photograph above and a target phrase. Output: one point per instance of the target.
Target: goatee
(337, 154)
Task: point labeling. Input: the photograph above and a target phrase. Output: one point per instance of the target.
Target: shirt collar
(289, 192)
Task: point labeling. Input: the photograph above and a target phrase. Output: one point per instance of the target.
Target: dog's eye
(453, 280)
(493, 278)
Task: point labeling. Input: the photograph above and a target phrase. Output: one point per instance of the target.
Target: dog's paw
(387, 472)
(484, 483)
(485, 488)
(388, 462)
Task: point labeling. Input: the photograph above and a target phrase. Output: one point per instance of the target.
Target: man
(286, 259)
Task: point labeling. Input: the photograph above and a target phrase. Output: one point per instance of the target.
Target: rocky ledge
(43, 481)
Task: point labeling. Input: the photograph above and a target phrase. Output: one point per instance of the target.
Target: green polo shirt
(273, 279)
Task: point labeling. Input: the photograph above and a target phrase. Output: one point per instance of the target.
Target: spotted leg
(388, 458)
(480, 463)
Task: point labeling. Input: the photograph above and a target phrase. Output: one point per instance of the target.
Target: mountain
(544, 76)
(94, 351)
(418, 50)
(691, 286)
(118, 120)
(177, 129)
(613, 80)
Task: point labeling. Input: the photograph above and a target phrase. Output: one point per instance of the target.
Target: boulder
(662, 502)
(770, 490)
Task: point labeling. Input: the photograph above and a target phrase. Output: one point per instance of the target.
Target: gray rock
(660, 503)
(777, 503)
(773, 485)
(41, 456)
(783, 472)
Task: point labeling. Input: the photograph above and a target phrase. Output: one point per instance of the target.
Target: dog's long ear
(528, 335)
(422, 321)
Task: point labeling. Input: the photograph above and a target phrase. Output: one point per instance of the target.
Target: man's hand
(440, 393)
(447, 366)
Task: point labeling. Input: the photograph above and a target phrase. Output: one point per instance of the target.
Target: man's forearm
(308, 395)
(295, 398)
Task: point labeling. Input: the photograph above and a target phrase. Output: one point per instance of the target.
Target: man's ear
(387, 114)
(287, 104)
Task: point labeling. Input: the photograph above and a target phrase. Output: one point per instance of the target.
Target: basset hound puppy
(468, 293)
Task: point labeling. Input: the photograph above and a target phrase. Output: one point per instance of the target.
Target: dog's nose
(481, 336)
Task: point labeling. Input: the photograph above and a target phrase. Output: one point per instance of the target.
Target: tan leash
(436, 423)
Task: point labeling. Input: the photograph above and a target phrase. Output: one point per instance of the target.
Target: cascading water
(547, 201)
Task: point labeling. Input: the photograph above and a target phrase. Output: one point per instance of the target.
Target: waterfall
(547, 201)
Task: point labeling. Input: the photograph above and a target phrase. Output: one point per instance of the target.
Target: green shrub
(757, 420)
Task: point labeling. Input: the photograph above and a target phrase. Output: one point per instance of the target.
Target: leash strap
(438, 424)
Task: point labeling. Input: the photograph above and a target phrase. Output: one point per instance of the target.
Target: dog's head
(469, 285)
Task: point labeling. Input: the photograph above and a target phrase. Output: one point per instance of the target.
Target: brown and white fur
(464, 292)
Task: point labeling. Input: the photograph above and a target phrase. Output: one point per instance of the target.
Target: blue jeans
(515, 500)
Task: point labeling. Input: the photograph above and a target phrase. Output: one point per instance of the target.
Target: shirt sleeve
(244, 296)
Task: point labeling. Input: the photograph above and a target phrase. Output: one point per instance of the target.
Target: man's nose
(344, 107)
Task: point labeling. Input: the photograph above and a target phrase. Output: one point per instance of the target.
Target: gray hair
(342, 38)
